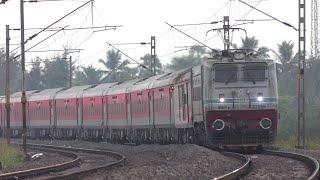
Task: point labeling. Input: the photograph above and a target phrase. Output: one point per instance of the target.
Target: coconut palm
(111, 64)
(285, 50)
(253, 44)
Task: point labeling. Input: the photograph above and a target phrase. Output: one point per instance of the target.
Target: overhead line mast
(315, 28)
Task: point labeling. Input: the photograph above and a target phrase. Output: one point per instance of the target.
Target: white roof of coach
(73, 92)
(143, 84)
(122, 87)
(16, 97)
(46, 94)
(168, 78)
(98, 90)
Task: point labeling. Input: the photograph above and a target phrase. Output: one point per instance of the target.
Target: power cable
(55, 22)
(142, 65)
(284, 23)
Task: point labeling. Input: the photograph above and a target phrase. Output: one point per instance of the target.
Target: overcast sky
(142, 19)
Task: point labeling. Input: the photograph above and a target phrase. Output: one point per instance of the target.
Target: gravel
(275, 167)
(155, 161)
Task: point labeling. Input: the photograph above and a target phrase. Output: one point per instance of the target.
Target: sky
(142, 19)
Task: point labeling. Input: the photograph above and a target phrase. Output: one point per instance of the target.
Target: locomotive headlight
(260, 98)
(221, 98)
(218, 124)
(265, 123)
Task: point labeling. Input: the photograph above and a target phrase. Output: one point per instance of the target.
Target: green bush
(10, 156)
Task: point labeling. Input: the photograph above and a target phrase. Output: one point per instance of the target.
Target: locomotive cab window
(254, 72)
(226, 73)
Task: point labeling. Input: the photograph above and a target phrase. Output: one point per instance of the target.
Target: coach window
(254, 72)
(225, 73)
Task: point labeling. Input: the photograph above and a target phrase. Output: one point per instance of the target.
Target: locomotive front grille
(243, 137)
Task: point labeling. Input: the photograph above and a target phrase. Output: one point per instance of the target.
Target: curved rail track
(76, 160)
(311, 163)
(239, 172)
(43, 170)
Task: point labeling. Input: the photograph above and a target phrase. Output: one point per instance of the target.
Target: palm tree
(285, 50)
(143, 72)
(111, 64)
(253, 44)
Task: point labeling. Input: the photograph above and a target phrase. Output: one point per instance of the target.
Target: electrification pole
(301, 83)
(153, 55)
(8, 131)
(226, 27)
(23, 96)
(70, 71)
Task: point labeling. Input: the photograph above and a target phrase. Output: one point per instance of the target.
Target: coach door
(183, 102)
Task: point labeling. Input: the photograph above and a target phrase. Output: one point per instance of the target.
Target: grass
(290, 143)
(10, 156)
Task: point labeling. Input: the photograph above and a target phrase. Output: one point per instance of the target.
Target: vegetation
(10, 156)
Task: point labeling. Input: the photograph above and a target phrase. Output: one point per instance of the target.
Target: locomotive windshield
(226, 73)
(254, 72)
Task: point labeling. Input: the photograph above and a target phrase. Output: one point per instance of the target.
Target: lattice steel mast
(314, 28)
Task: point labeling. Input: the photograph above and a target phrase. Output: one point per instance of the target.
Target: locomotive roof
(73, 92)
(46, 94)
(97, 90)
(121, 87)
(16, 97)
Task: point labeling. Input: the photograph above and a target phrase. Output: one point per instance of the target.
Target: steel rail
(311, 162)
(241, 171)
(120, 160)
(44, 170)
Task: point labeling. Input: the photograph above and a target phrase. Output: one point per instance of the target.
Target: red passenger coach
(16, 112)
(118, 105)
(69, 107)
(141, 104)
(94, 106)
(162, 106)
(41, 112)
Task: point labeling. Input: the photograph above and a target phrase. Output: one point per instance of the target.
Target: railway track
(67, 170)
(309, 164)
(239, 172)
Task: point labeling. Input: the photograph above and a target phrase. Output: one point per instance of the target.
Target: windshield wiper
(230, 78)
(251, 78)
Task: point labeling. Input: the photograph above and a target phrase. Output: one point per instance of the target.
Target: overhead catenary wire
(40, 42)
(285, 23)
(142, 65)
(55, 22)
(191, 37)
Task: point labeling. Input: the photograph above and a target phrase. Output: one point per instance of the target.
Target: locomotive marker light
(265, 123)
(218, 125)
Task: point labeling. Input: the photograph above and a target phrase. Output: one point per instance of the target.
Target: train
(231, 99)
